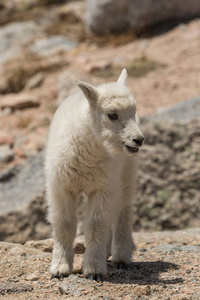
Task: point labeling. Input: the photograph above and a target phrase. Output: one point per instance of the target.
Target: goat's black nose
(139, 141)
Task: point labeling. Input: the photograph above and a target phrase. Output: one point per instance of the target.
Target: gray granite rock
(116, 15)
(11, 287)
(175, 248)
(14, 36)
(75, 285)
(185, 110)
(51, 45)
(19, 185)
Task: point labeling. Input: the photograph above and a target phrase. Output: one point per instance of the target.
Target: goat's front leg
(62, 215)
(97, 230)
(122, 243)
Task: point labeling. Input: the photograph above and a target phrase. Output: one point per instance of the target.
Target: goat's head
(113, 111)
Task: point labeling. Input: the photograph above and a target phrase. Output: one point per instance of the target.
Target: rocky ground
(164, 266)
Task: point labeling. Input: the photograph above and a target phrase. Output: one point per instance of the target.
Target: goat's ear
(89, 91)
(123, 76)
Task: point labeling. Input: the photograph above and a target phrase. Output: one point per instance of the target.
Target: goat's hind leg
(62, 215)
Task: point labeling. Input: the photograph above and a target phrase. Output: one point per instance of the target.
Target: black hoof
(98, 277)
(121, 265)
(63, 276)
(58, 276)
(54, 276)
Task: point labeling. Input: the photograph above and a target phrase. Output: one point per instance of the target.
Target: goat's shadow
(142, 273)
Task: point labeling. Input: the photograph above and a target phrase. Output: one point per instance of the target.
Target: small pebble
(32, 277)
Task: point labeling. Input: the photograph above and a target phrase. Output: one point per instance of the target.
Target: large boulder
(14, 37)
(51, 45)
(20, 184)
(182, 111)
(117, 15)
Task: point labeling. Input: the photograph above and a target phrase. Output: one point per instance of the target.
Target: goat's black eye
(113, 116)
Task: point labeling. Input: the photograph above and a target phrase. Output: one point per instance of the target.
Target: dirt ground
(164, 266)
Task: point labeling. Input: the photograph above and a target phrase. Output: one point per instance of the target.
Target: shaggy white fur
(92, 142)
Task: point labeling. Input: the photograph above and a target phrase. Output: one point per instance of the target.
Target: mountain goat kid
(92, 142)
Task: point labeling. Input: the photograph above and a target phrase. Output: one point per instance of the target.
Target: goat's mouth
(132, 149)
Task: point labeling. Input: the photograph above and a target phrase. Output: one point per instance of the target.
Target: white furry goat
(93, 138)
